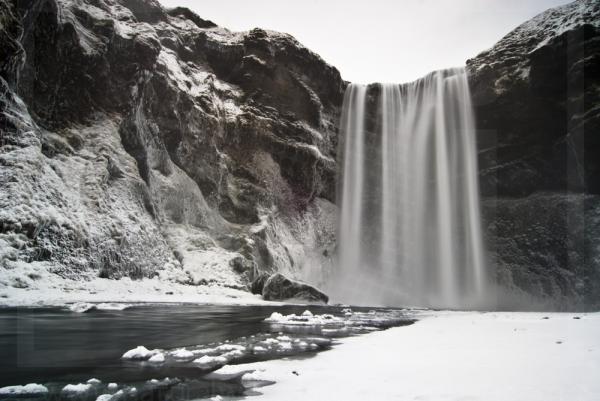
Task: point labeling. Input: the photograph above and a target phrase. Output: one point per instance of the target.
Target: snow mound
(81, 307)
(306, 319)
(31, 388)
(77, 388)
(139, 353)
(207, 361)
(182, 353)
(157, 358)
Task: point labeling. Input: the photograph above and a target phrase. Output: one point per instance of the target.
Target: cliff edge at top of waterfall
(510, 58)
(145, 143)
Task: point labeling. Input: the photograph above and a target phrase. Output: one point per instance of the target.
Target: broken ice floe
(336, 326)
(82, 307)
(28, 389)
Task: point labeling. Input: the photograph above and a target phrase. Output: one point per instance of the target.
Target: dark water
(59, 346)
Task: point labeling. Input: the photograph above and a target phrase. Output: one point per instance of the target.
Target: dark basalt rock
(259, 283)
(280, 288)
(536, 94)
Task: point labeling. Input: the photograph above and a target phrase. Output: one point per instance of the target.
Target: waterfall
(409, 230)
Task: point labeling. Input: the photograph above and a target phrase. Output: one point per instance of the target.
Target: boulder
(279, 288)
(257, 285)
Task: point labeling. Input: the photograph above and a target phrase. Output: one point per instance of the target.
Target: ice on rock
(236, 353)
(104, 397)
(306, 319)
(231, 347)
(275, 317)
(139, 353)
(283, 338)
(157, 358)
(207, 361)
(285, 346)
(31, 388)
(182, 353)
(81, 307)
(112, 386)
(77, 388)
(94, 381)
(270, 341)
(112, 306)
(259, 349)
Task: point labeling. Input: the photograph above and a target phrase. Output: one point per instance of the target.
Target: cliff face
(138, 141)
(536, 94)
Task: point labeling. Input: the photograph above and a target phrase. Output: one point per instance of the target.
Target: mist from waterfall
(410, 229)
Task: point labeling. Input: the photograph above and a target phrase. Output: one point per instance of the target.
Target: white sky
(379, 40)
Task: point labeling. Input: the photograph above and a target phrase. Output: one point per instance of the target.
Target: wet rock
(278, 288)
(259, 283)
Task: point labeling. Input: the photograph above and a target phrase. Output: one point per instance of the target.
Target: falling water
(409, 229)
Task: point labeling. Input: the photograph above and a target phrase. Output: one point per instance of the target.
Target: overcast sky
(379, 40)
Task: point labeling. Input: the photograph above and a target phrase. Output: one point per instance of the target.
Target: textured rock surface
(536, 94)
(138, 141)
(279, 288)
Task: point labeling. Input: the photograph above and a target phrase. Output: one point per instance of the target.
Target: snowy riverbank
(449, 356)
(52, 290)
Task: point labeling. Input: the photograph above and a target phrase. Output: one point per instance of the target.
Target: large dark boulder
(280, 288)
(258, 284)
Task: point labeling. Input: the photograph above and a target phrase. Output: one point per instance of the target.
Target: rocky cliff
(536, 94)
(138, 142)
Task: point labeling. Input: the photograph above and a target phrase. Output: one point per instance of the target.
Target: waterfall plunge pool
(63, 350)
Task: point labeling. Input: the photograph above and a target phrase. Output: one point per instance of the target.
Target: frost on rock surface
(535, 95)
(135, 143)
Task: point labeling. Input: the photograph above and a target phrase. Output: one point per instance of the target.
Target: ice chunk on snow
(140, 353)
(77, 388)
(157, 358)
(31, 388)
(182, 353)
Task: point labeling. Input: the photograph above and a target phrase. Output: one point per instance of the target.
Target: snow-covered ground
(52, 290)
(448, 356)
